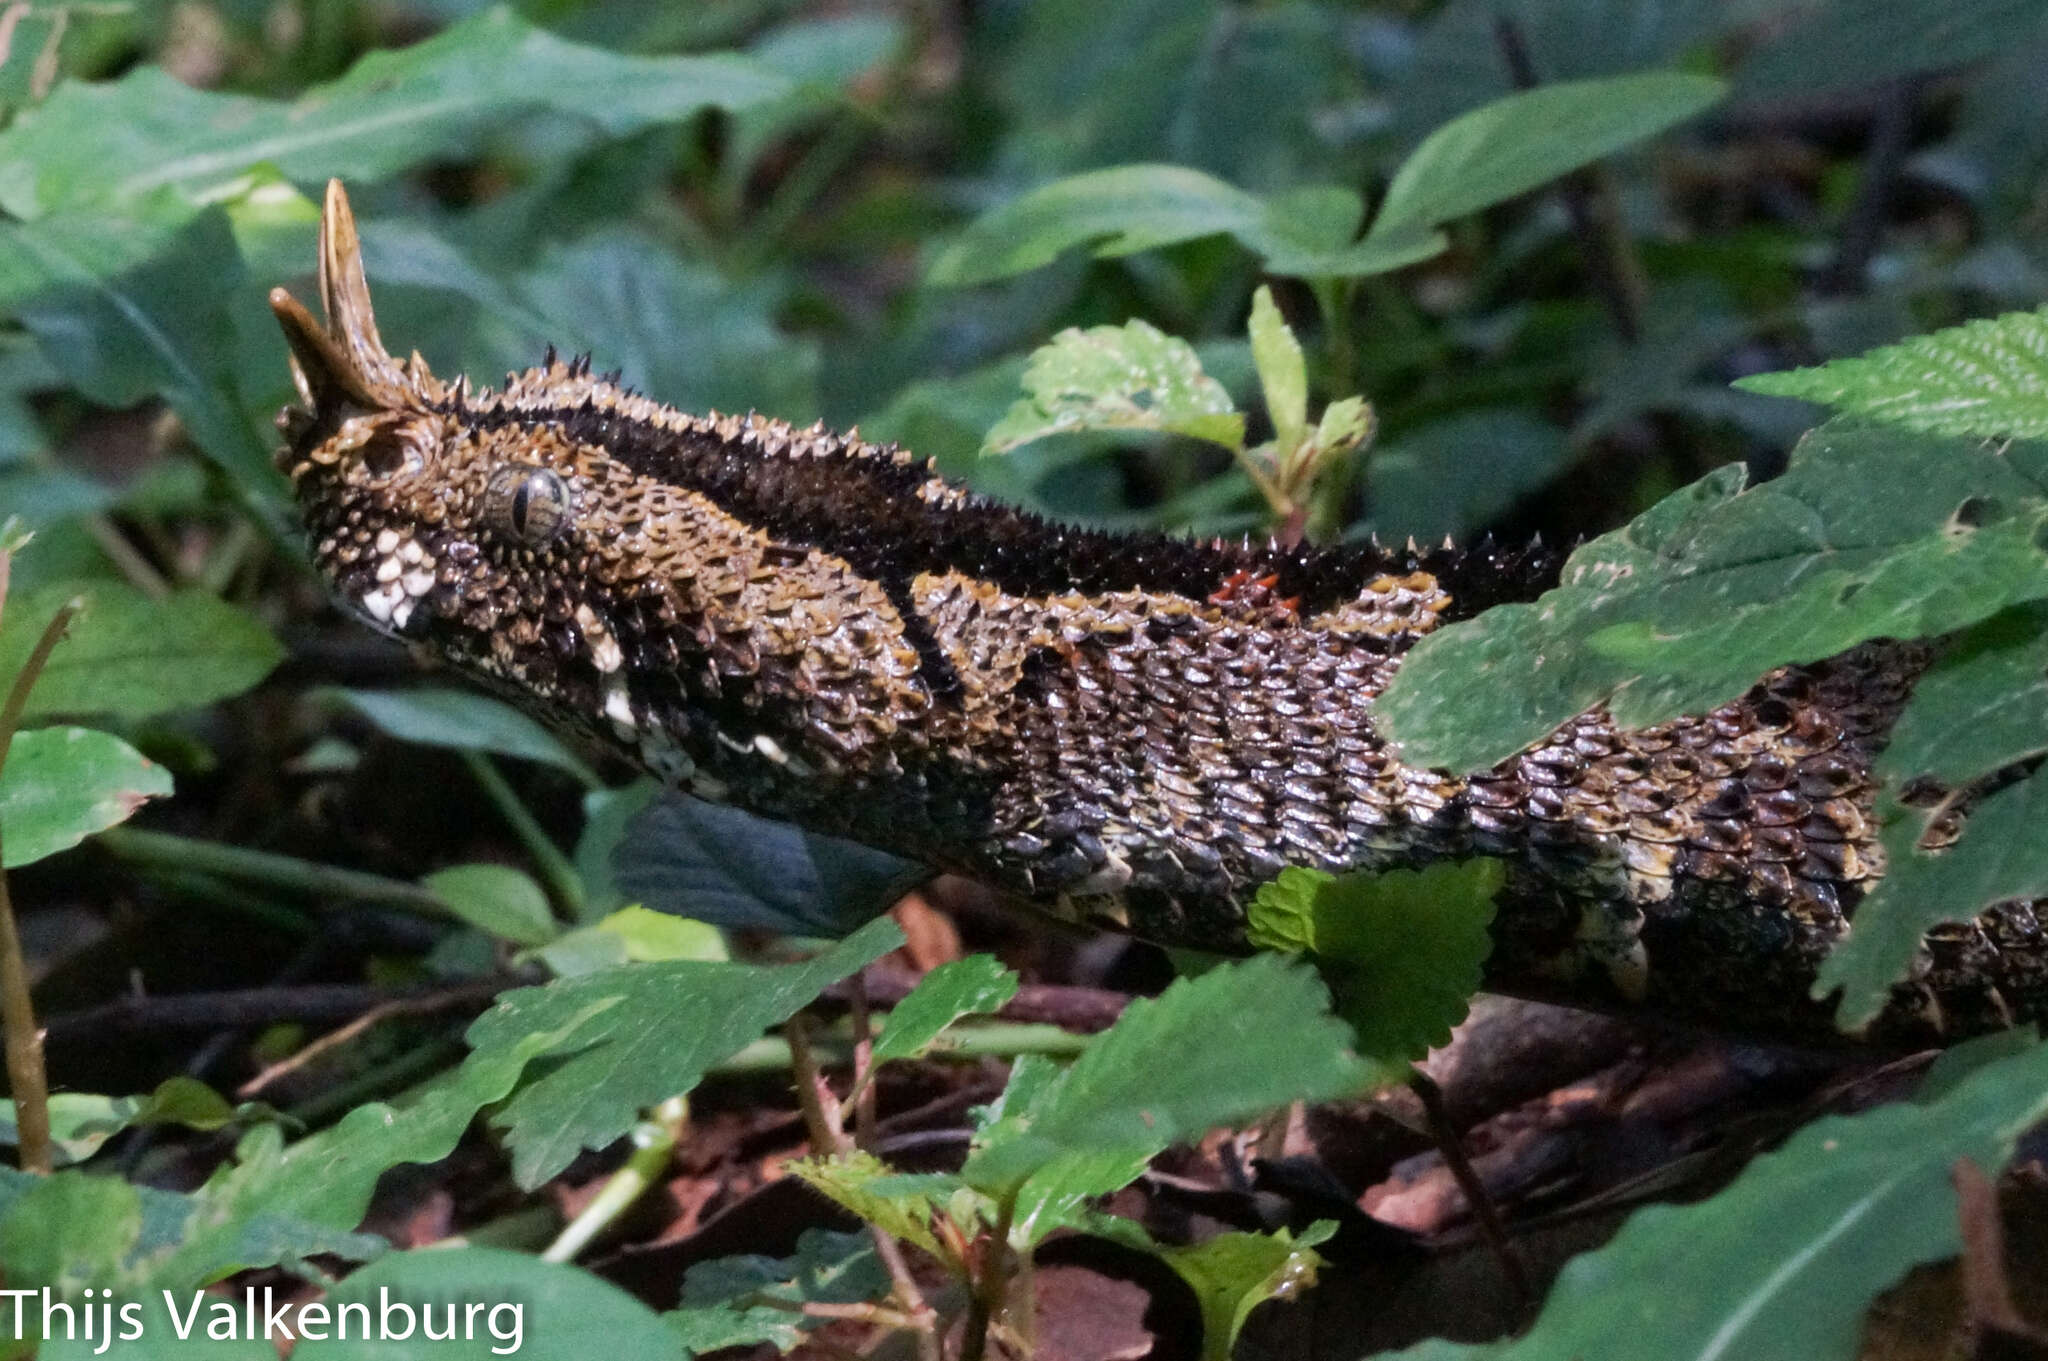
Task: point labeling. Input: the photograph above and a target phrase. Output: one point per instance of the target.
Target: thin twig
(266, 1006)
(1863, 226)
(1594, 208)
(863, 1093)
(128, 559)
(425, 1004)
(1453, 1150)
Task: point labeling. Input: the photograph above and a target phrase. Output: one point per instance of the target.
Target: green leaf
(1129, 377)
(719, 1307)
(67, 1230)
(61, 785)
(1872, 532)
(497, 899)
(462, 720)
(2000, 855)
(632, 935)
(98, 143)
(1516, 143)
(871, 1190)
(972, 986)
(80, 1122)
(1987, 378)
(632, 1037)
(129, 655)
(1234, 1273)
(1783, 1264)
(509, 1303)
(1245, 1037)
(606, 815)
(1282, 372)
(1403, 949)
(132, 306)
(1452, 478)
(1982, 705)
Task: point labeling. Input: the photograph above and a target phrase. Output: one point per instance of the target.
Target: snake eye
(526, 503)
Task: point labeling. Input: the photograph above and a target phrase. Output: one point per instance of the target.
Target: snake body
(1124, 728)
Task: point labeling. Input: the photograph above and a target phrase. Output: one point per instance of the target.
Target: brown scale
(1138, 729)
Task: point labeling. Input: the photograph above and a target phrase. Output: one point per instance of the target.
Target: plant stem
(26, 1078)
(823, 1119)
(554, 867)
(772, 1054)
(654, 1141)
(985, 1302)
(1334, 299)
(289, 873)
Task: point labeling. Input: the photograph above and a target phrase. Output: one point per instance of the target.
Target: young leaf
(61, 785)
(99, 143)
(2000, 855)
(1783, 1264)
(1130, 377)
(498, 900)
(962, 987)
(869, 1188)
(1872, 532)
(1246, 1037)
(463, 721)
(1402, 950)
(1282, 373)
(1512, 145)
(509, 1303)
(632, 935)
(632, 1037)
(1234, 1273)
(1987, 378)
(129, 655)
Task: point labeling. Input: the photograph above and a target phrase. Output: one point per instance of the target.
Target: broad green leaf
(1872, 532)
(1245, 1037)
(464, 721)
(2000, 855)
(498, 900)
(1987, 378)
(1982, 705)
(1403, 949)
(606, 815)
(129, 655)
(972, 986)
(870, 1189)
(1234, 1273)
(724, 866)
(80, 1122)
(507, 1303)
(131, 306)
(1129, 377)
(630, 1038)
(1783, 1264)
(632, 935)
(60, 785)
(99, 143)
(1282, 372)
(68, 1230)
(1125, 209)
(1516, 143)
(720, 1298)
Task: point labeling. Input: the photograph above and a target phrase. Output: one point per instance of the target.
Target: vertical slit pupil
(522, 497)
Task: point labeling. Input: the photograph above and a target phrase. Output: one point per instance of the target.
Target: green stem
(288, 873)
(1335, 299)
(985, 1303)
(547, 857)
(654, 1141)
(771, 1054)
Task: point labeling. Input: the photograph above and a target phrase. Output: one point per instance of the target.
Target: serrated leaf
(720, 1298)
(1403, 949)
(129, 655)
(630, 1038)
(1129, 377)
(1283, 374)
(509, 1303)
(1872, 532)
(972, 986)
(113, 141)
(1247, 1036)
(1987, 378)
(60, 785)
(861, 1184)
(722, 865)
(497, 900)
(1791, 1254)
(2000, 855)
(1234, 1273)
(1982, 705)
(462, 720)
(1515, 143)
